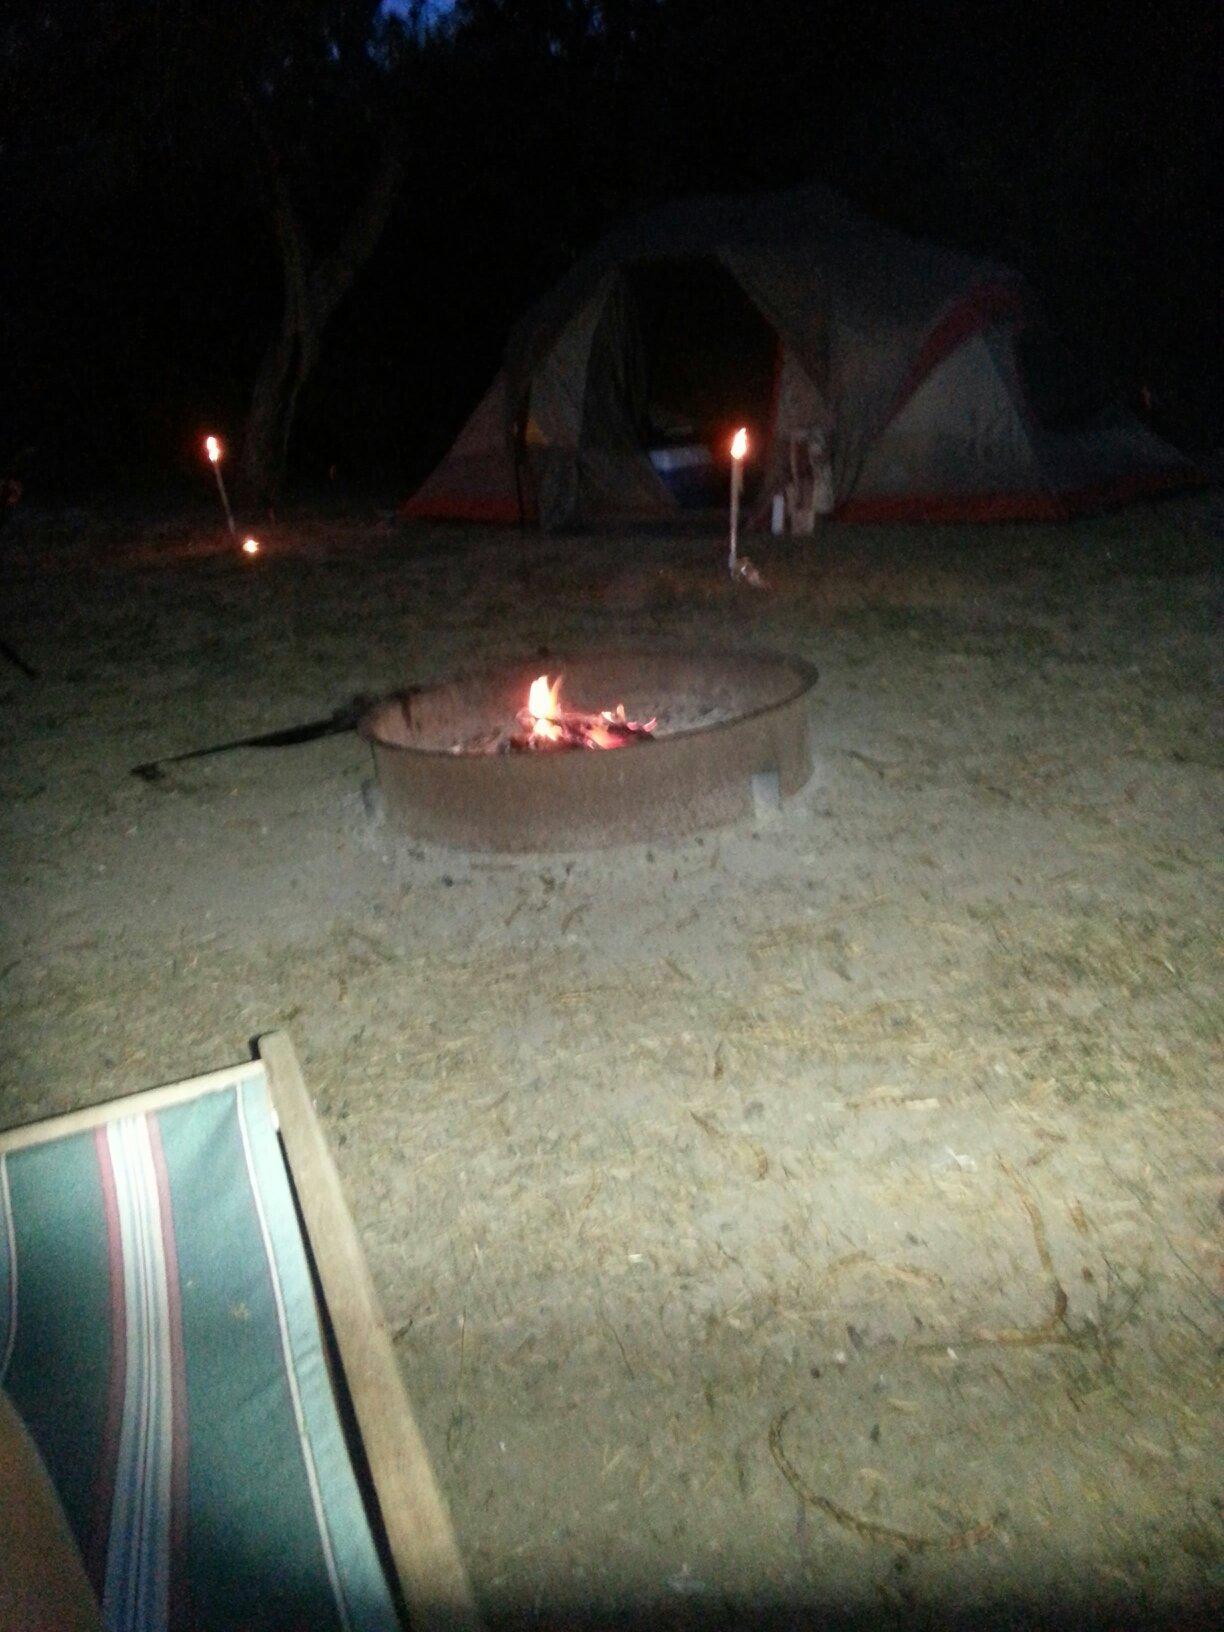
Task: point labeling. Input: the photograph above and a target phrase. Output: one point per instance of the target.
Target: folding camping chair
(189, 1331)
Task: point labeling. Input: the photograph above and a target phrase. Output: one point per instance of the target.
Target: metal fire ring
(732, 734)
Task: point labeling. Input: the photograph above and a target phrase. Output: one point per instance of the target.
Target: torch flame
(543, 705)
(739, 443)
(212, 448)
(250, 546)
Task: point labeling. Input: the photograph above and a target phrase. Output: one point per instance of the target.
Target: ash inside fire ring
(482, 762)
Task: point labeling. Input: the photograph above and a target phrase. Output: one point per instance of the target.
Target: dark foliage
(141, 280)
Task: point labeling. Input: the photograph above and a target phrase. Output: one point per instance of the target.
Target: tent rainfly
(924, 371)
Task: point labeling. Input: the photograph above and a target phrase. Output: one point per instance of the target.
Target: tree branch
(293, 252)
(335, 273)
(289, 236)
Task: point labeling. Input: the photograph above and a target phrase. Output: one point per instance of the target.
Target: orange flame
(739, 443)
(212, 448)
(250, 546)
(543, 705)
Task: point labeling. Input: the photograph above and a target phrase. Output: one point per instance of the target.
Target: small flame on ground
(250, 546)
(212, 448)
(739, 443)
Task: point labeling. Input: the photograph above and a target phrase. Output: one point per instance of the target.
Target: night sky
(140, 277)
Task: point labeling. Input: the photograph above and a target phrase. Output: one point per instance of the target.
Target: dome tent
(917, 362)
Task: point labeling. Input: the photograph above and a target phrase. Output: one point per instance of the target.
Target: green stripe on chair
(57, 1377)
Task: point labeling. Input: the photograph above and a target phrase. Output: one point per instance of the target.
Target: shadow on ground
(1112, 1614)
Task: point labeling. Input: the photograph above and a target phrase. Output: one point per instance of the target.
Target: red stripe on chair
(178, 1615)
(108, 1458)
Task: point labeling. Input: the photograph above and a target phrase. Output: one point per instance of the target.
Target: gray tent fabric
(478, 480)
(901, 353)
(967, 402)
(580, 436)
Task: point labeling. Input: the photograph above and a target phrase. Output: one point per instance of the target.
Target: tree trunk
(310, 298)
(269, 419)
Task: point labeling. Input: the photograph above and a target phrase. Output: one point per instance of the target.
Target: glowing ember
(739, 443)
(250, 546)
(212, 448)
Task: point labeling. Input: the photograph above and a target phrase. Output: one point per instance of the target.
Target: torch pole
(229, 514)
(737, 479)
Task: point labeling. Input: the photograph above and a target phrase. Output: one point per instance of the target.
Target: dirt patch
(821, 1213)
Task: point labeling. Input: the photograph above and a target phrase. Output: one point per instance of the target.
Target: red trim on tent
(455, 507)
(1032, 506)
(939, 507)
(985, 304)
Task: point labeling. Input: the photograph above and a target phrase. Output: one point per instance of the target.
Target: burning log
(544, 726)
(608, 729)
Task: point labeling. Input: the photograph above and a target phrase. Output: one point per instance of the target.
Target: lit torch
(213, 449)
(739, 452)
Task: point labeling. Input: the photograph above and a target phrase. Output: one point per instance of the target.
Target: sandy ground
(817, 1221)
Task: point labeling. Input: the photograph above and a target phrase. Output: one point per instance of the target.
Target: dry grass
(657, 1154)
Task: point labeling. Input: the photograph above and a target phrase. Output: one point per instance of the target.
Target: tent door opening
(709, 363)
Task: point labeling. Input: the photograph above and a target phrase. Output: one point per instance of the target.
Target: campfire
(476, 762)
(545, 726)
